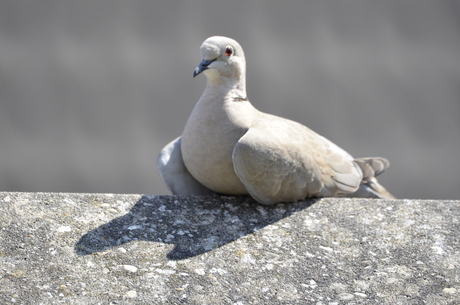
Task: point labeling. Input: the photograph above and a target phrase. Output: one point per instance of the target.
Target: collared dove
(230, 147)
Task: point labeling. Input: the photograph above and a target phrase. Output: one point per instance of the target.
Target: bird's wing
(279, 160)
(175, 174)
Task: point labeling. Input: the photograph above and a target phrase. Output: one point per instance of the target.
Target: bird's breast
(208, 140)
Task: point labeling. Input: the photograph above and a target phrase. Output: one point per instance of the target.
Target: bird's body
(230, 147)
(208, 141)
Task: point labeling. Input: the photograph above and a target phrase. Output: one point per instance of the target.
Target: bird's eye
(228, 51)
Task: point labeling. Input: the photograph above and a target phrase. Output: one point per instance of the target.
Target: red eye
(228, 51)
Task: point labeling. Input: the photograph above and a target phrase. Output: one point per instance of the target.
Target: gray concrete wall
(132, 249)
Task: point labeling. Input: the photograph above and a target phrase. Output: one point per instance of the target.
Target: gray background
(92, 90)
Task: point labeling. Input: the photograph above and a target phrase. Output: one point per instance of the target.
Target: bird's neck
(229, 88)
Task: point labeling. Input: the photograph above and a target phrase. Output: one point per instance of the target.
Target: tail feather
(372, 167)
(371, 189)
(379, 189)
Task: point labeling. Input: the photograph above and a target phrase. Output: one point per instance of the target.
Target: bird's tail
(370, 187)
(372, 167)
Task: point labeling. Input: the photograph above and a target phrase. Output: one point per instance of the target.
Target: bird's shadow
(195, 225)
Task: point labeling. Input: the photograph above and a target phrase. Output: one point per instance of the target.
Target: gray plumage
(230, 147)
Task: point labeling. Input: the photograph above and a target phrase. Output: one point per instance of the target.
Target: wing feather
(279, 160)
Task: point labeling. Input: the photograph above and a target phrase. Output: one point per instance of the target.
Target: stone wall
(58, 248)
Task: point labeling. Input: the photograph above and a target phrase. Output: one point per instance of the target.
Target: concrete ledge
(133, 249)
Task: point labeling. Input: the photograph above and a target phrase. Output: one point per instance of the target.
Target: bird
(228, 147)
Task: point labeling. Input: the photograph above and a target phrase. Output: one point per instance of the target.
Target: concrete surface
(58, 248)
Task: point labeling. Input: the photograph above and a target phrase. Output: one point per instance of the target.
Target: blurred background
(90, 91)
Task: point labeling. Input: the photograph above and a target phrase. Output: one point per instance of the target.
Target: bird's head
(222, 60)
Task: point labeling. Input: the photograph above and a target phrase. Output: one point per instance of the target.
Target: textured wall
(91, 90)
(132, 249)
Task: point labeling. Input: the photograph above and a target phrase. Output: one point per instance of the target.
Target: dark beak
(202, 66)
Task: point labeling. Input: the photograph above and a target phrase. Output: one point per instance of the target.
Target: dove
(229, 147)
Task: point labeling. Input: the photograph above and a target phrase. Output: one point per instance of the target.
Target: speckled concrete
(132, 249)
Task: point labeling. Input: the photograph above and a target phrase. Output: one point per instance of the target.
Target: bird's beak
(202, 66)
